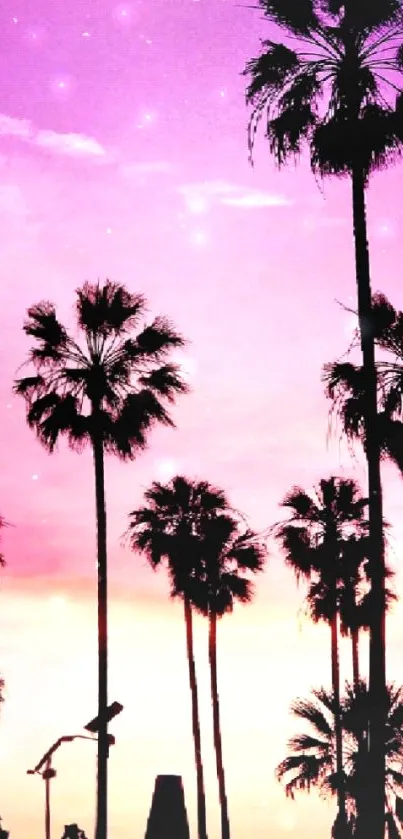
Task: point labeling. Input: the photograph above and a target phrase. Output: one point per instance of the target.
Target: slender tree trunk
(225, 829)
(102, 774)
(356, 661)
(201, 798)
(341, 796)
(377, 674)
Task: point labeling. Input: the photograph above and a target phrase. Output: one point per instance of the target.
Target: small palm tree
(356, 607)
(167, 529)
(345, 384)
(312, 759)
(230, 554)
(108, 388)
(333, 83)
(321, 541)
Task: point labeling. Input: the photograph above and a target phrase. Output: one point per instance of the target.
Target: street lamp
(48, 772)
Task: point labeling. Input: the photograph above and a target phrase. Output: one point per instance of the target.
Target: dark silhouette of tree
(230, 554)
(108, 388)
(210, 554)
(312, 760)
(324, 542)
(167, 529)
(345, 384)
(334, 84)
(356, 608)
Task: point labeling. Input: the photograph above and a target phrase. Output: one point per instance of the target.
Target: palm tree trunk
(101, 829)
(356, 661)
(225, 829)
(201, 798)
(377, 674)
(341, 797)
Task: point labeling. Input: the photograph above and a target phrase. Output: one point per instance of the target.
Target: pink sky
(123, 154)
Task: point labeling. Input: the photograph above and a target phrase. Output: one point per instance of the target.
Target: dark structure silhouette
(107, 388)
(335, 86)
(168, 817)
(4, 834)
(46, 771)
(73, 831)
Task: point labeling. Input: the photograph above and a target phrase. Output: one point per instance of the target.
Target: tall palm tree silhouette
(167, 529)
(210, 555)
(230, 554)
(334, 84)
(312, 759)
(317, 543)
(107, 388)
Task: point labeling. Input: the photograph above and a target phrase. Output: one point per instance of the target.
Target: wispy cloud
(71, 144)
(151, 167)
(14, 127)
(253, 199)
(200, 197)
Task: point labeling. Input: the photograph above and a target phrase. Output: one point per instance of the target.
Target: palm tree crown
(324, 529)
(345, 384)
(191, 526)
(112, 381)
(312, 759)
(168, 526)
(335, 87)
(228, 553)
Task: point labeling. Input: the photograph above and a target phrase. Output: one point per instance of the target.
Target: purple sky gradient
(123, 154)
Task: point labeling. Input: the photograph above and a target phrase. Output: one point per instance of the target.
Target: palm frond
(139, 413)
(165, 381)
(43, 325)
(305, 742)
(312, 713)
(307, 771)
(299, 17)
(301, 504)
(297, 549)
(159, 338)
(108, 309)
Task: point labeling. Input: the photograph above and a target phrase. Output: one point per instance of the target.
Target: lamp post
(48, 772)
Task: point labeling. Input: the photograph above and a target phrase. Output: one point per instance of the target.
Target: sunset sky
(123, 154)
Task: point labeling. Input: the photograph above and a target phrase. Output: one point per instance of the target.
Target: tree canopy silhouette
(325, 541)
(312, 763)
(107, 387)
(345, 384)
(210, 554)
(333, 84)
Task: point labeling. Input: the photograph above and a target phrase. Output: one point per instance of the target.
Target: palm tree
(312, 759)
(209, 554)
(230, 553)
(345, 384)
(323, 537)
(167, 529)
(336, 88)
(108, 388)
(356, 604)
